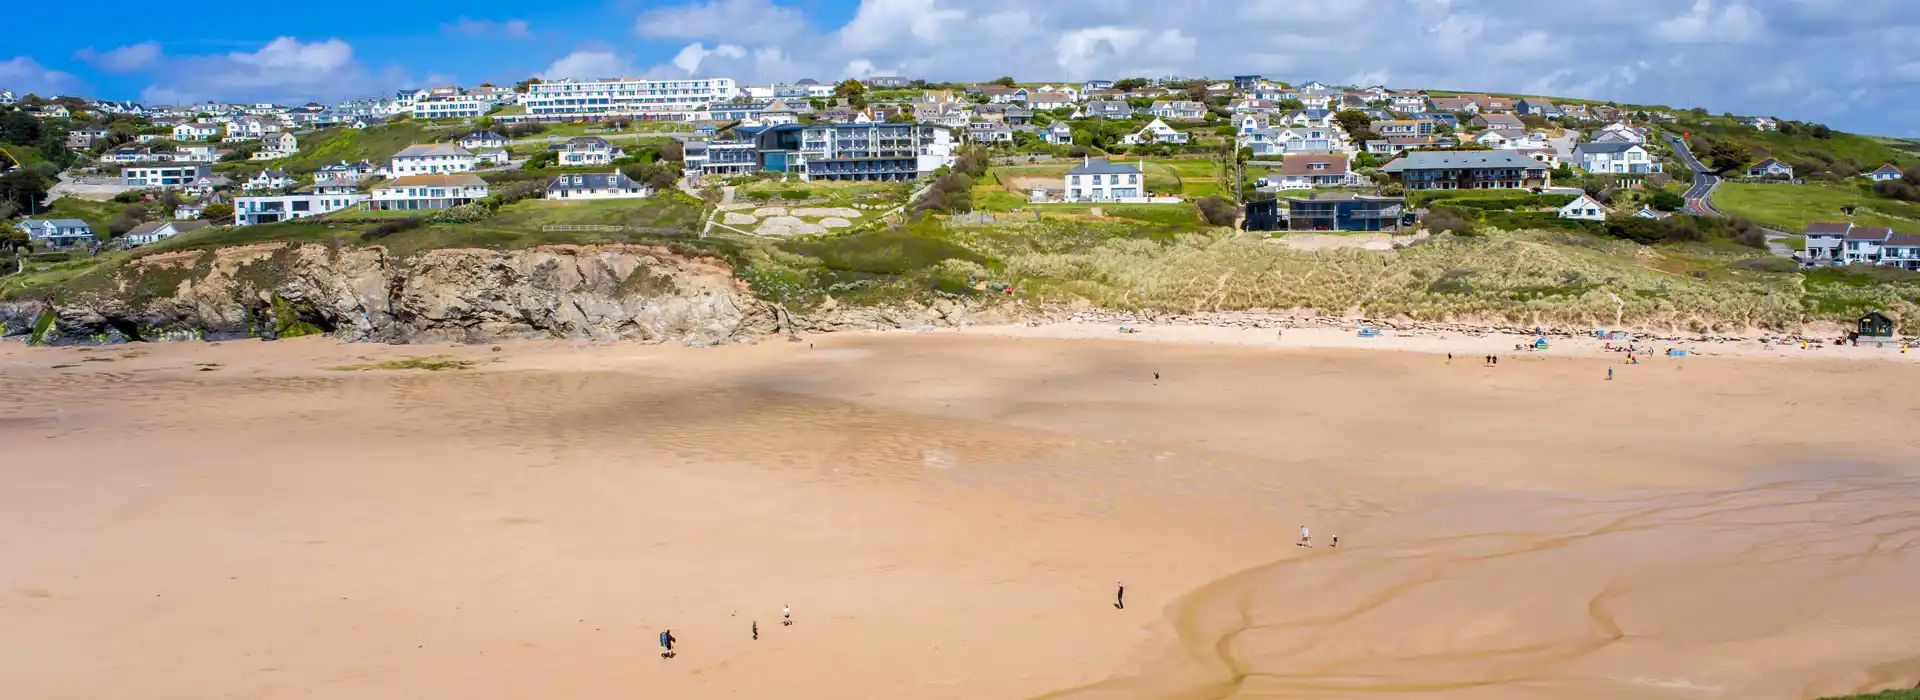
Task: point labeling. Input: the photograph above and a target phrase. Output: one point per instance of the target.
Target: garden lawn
(1791, 207)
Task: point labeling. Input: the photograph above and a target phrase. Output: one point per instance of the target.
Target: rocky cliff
(626, 292)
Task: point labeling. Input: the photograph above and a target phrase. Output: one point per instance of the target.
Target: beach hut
(1875, 326)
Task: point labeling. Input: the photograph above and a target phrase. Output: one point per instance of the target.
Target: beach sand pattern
(951, 511)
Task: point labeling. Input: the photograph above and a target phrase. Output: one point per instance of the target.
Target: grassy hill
(373, 143)
(1884, 695)
(1791, 207)
(96, 214)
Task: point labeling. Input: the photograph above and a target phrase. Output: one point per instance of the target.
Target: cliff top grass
(1791, 207)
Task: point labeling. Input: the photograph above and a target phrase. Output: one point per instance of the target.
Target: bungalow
(1307, 117)
(130, 155)
(164, 174)
(1455, 104)
(1466, 170)
(1000, 94)
(1394, 145)
(189, 210)
(1093, 85)
(196, 154)
(195, 131)
(888, 82)
(1156, 131)
(1884, 173)
(268, 181)
(1574, 111)
(1109, 109)
(1762, 123)
(155, 231)
(589, 150)
(1401, 127)
(1770, 169)
(1616, 157)
(1496, 121)
(1536, 107)
(1098, 180)
(53, 111)
(1059, 134)
(1621, 132)
(1049, 100)
(202, 187)
(613, 185)
(1439, 119)
(1584, 208)
(1178, 110)
(268, 209)
(416, 192)
(482, 139)
(989, 132)
(1250, 105)
(1548, 156)
(1300, 172)
(57, 233)
(431, 159)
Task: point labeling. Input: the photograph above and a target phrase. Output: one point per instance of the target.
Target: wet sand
(948, 515)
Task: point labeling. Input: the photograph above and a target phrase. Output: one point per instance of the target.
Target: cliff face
(624, 292)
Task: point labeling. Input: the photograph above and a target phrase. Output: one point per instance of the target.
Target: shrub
(389, 228)
(1447, 219)
(1218, 211)
(524, 189)
(1665, 200)
(1767, 265)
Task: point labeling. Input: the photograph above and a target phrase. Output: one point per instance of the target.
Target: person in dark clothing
(756, 629)
(666, 642)
(1120, 597)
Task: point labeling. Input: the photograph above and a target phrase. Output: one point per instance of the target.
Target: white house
(415, 192)
(163, 174)
(155, 231)
(1058, 134)
(1622, 132)
(1618, 157)
(1771, 169)
(589, 150)
(1762, 123)
(195, 131)
(613, 185)
(1501, 138)
(267, 209)
(1040, 99)
(246, 129)
(1178, 110)
(1097, 180)
(1155, 132)
(1824, 238)
(1584, 208)
(1301, 172)
(279, 144)
(268, 181)
(195, 154)
(483, 139)
(57, 233)
(1884, 173)
(431, 159)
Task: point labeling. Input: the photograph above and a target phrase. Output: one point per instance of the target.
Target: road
(1699, 196)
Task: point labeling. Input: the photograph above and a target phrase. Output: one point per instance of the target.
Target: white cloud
(754, 20)
(1734, 23)
(285, 69)
(690, 57)
(587, 64)
(23, 75)
(511, 29)
(880, 23)
(125, 59)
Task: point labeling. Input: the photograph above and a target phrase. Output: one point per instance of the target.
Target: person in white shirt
(1306, 537)
(786, 615)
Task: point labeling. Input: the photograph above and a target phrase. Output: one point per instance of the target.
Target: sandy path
(947, 514)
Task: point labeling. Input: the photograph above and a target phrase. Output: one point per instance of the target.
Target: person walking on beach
(1306, 537)
(1609, 374)
(1120, 596)
(666, 643)
(756, 629)
(786, 615)
(1336, 542)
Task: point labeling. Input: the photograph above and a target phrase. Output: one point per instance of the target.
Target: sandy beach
(948, 514)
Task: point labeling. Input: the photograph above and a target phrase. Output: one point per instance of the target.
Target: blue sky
(1853, 64)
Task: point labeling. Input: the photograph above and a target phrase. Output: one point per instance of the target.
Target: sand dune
(947, 515)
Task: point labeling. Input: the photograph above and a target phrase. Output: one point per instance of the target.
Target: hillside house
(589, 150)
(1457, 105)
(1770, 169)
(1615, 157)
(423, 192)
(482, 140)
(1178, 110)
(57, 233)
(1327, 211)
(1307, 171)
(1762, 123)
(195, 131)
(268, 181)
(156, 231)
(431, 159)
(163, 174)
(1109, 109)
(1536, 107)
(989, 132)
(267, 209)
(1058, 134)
(1156, 131)
(1584, 208)
(613, 185)
(1884, 173)
(1467, 170)
(1501, 138)
(1099, 180)
(1824, 240)
(1496, 121)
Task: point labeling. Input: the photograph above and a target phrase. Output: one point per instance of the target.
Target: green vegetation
(432, 363)
(776, 191)
(99, 215)
(1791, 207)
(374, 143)
(1883, 695)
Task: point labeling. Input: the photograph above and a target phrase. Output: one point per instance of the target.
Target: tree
(133, 215)
(1129, 84)
(1006, 80)
(522, 85)
(1666, 200)
(16, 126)
(1726, 154)
(1820, 131)
(853, 91)
(673, 150)
(1358, 125)
(217, 211)
(1218, 211)
(24, 188)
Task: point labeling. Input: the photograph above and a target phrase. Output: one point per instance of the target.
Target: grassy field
(373, 143)
(1791, 207)
(775, 192)
(96, 214)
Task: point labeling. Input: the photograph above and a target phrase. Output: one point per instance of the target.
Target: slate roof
(422, 150)
(1829, 227)
(455, 180)
(1101, 166)
(1446, 160)
(615, 180)
(1303, 165)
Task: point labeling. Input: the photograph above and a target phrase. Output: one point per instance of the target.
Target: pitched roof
(61, 223)
(1607, 146)
(1903, 240)
(1831, 227)
(1501, 120)
(592, 181)
(1101, 166)
(1863, 233)
(1767, 164)
(1888, 168)
(456, 180)
(1442, 160)
(420, 150)
(1303, 165)
(588, 142)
